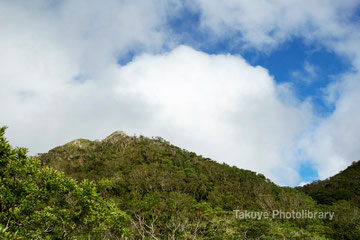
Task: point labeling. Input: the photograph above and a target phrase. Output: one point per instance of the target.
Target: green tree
(41, 203)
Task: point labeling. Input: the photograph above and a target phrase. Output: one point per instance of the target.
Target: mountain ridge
(134, 187)
(137, 167)
(342, 186)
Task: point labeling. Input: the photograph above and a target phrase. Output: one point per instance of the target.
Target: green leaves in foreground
(41, 203)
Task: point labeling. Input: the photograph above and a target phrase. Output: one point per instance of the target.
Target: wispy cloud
(307, 75)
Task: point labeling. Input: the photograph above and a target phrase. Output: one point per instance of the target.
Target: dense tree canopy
(141, 188)
(342, 186)
(42, 203)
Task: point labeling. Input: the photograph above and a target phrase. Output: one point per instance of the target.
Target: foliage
(171, 193)
(342, 186)
(165, 193)
(41, 203)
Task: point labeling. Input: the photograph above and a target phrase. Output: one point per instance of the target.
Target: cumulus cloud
(330, 143)
(216, 105)
(56, 59)
(92, 35)
(219, 106)
(333, 145)
(60, 80)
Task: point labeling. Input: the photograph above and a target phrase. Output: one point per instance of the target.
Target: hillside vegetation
(343, 186)
(146, 188)
(42, 203)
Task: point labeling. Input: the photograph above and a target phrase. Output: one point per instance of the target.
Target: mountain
(147, 166)
(179, 193)
(160, 191)
(343, 186)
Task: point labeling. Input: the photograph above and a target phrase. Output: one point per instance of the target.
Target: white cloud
(218, 106)
(265, 24)
(307, 75)
(46, 45)
(92, 34)
(334, 143)
(60, 80)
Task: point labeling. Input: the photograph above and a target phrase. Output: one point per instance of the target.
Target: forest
(135, 187)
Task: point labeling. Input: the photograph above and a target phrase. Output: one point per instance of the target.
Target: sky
(269, 86)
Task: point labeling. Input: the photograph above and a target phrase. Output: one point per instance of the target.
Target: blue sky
(290, 62)
(292, 57)
(286, 63)
(268, 86)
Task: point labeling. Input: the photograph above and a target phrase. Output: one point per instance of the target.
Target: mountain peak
(115, 136)
(151, 180)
